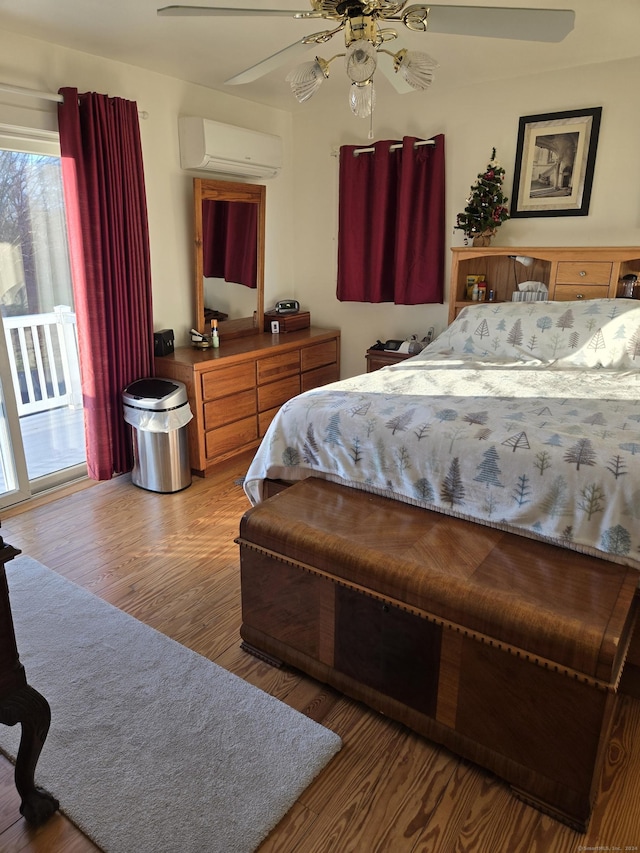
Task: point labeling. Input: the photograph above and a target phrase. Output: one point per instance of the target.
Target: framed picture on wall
(555, 160)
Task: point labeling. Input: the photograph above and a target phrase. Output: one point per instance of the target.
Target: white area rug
(153, 748)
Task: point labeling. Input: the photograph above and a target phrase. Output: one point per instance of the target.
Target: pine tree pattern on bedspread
(520, 415)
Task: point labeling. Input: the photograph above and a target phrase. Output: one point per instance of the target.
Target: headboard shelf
(583, 272)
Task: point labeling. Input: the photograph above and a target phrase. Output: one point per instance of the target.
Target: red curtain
(230, 241)
(106, 210)
(391, 238)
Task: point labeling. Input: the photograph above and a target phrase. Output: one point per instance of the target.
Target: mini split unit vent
(215, 147)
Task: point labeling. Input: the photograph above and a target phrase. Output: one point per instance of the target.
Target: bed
(458, 543)
(524, 416)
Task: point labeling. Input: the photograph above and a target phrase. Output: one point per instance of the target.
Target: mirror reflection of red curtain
(106, 211)
(391, 235)
(230, 241)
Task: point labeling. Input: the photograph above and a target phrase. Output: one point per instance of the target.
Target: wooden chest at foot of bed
(505, 650)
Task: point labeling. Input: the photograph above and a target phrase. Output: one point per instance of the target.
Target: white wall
(302, 201)
(37, 65)
(473, 119)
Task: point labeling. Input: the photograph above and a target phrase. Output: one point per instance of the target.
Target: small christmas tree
(486, 206)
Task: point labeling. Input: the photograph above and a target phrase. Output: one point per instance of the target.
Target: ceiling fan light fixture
(362, 98)
(415, 67)
(360, 60)
(360, 21)
(306, 79)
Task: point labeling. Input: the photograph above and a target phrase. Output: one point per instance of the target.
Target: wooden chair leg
(29, 708)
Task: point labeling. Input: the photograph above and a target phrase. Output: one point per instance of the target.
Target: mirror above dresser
(229, 226)
(236, 389)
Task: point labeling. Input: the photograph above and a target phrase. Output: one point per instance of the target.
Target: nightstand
(377, 358)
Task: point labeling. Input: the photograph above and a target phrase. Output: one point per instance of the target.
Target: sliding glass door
(42, 429)
(14, 480)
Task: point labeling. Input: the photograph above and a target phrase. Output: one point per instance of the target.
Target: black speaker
(163, 342)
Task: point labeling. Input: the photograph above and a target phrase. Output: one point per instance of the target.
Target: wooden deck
(53, 440)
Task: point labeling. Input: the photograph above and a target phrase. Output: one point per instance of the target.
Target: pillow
(590, 333)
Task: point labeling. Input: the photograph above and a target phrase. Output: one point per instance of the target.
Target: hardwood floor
(170, 560)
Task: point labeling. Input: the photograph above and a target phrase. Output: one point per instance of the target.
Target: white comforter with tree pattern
(524, 416)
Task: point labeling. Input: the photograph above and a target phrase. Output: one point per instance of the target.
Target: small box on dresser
(287, 322)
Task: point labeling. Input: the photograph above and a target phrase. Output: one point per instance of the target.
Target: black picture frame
(555, 178)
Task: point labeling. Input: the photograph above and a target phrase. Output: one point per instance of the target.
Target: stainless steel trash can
(158, 412)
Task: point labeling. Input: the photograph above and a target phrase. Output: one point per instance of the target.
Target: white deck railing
(43, 357)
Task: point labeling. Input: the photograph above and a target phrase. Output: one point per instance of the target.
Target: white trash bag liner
(163, 421)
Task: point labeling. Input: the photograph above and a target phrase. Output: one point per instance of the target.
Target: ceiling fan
(361, 22)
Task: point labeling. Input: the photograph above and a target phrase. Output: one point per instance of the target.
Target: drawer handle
(579, 296)
(582, 272)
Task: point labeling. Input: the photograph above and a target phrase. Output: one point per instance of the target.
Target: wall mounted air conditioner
(215, 147)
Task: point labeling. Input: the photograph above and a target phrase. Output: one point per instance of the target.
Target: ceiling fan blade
(385, 66)
(499, 22)
(200, 11)
(293, 51)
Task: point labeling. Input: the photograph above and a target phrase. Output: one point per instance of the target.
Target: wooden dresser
(236, 390)
(585, 272)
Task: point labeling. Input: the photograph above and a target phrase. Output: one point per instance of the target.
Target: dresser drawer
(277, 393)
(227, 380)
(586, 273)
(277, 366)
(226, 439)
(319, 376)
(318, 355)
(264, 420)
(233, 408)
(567, 292)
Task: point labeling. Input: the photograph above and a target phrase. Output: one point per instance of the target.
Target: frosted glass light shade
(362, 98)
(306, 79)
(415, 67)
(360, 60)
